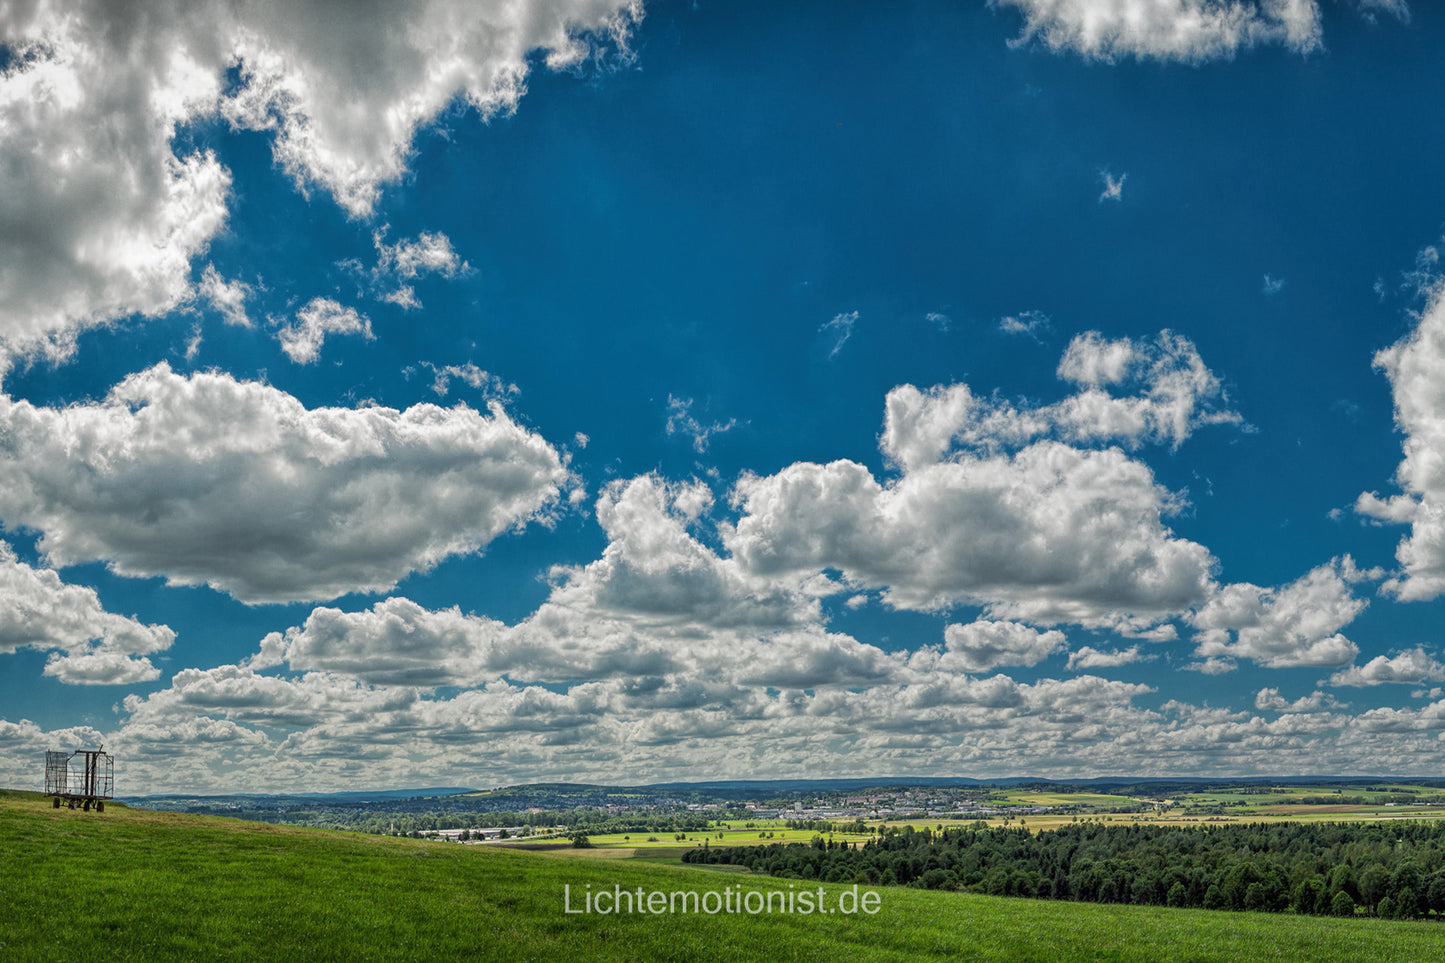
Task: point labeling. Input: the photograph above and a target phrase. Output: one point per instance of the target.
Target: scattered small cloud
(1272, 285)
(1113, 186)
(320, 317)
(1348, 408)
(681, 421)
(403, 297)
(840, 328)
(1399, 9)
(227, 297)
(1423, 279)
(491, 386)
(1091, 658)
(1269, 700)
(398, 264)
(1029, 323)
(427, 253)
(939, 320)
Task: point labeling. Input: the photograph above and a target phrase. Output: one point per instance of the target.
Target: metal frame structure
(85, 776)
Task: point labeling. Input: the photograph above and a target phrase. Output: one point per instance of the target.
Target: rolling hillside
(147, 886)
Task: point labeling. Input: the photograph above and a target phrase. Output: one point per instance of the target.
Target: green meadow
(131, 884)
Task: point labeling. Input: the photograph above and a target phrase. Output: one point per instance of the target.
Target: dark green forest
(1394, 869)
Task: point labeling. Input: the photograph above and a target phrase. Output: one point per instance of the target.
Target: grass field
(1082, 800)
(155, 886)
(666, 846)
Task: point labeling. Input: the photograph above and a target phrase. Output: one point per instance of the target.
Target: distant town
(471, 815)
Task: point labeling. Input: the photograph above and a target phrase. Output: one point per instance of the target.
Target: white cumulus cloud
(1187, 30)
(1269, 700)
(302, 339)
(227, 297)
(983, 645)
(102, 213)
(1412, 667)
(1175, 394)
(1087, 657)
(206, 479)
(88, 645)
(1415, 366)
(1049, 534)
(411, 258)
(1295, 625)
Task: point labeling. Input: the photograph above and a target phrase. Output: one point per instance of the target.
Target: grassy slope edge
(138, 885)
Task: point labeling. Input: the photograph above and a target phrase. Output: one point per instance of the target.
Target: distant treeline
(1394, 869)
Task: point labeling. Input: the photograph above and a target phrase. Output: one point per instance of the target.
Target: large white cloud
(346, 91)
(101, 214)
(657, 602)
(1048, 534)
(1415, 366)
(88, 645)
(1004, 506)
(99, 218)
(396, 642)
(206, 479)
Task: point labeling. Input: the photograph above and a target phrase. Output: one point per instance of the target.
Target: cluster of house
(476, 835)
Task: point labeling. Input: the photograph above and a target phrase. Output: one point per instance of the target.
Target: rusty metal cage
(85, 777)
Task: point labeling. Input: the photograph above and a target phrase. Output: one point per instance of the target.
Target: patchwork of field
(1081, 800)
(611, 845)
(137, 885)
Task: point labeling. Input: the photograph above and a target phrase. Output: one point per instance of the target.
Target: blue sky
(626, 392)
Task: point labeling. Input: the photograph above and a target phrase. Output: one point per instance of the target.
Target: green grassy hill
(151, 886)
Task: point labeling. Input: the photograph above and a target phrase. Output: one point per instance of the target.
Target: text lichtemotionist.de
(731, 899)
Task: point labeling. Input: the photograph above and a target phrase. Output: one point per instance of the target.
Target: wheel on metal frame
(100, 805)
(55, 802)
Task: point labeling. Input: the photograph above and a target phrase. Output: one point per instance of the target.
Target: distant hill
(369, 795)
(750, 788)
